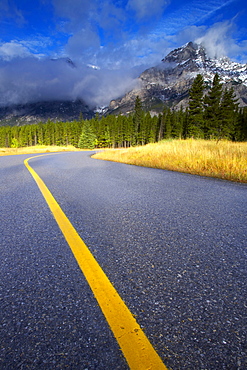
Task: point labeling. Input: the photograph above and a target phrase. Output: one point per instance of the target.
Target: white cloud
(24, 48)
(107, 24)
(216, 39)
(30, 79)
(98, 87)
(148, 8)
(81, 41)
(219, 41)
(13, 49)
(74, 13)
(141, 53)
(190, 34)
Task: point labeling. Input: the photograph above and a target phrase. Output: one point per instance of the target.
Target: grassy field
(223, 159)
(36, 149)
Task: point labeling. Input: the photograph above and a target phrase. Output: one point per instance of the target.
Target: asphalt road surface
(173, 245)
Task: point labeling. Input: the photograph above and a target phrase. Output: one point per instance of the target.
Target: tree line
(211, 114)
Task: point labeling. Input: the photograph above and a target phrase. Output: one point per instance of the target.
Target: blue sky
(121, 38)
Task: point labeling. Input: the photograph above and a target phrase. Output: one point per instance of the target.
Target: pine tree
(167, 122)
(160, 127)
(40, 131)
(228, 118)
(120, 123)
(241, 125)
(137, 118)
(212, 110)
(15, 143)
(129, 132)
(177, 126)
(2, 136)
(196, 122)
(87, 138)
(185, 133)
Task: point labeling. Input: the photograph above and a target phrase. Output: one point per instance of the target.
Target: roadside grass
(37, 149)
(224, 159)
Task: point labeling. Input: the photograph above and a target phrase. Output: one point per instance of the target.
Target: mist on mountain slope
(29, 79)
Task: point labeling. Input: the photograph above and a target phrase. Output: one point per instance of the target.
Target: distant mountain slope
(42, 111)
(170, 81)
(57, 109)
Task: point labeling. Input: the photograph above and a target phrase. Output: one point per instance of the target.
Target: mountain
(169, 82)
(31, 113)
(41, 111)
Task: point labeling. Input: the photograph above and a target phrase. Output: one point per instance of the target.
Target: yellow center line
(134, 344)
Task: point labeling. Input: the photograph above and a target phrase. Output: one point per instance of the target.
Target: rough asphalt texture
(173, 245)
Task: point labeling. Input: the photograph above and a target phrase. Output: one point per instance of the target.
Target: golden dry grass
(36, 149)
(225, 160)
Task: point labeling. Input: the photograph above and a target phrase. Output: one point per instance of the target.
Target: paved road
(173, 245)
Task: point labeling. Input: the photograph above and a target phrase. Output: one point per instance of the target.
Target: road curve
(173, 245)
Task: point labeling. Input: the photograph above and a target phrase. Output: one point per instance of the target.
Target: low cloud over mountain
(29, 79)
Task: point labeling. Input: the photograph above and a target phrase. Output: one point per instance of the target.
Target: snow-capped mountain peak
(194, 57)
(170, 81)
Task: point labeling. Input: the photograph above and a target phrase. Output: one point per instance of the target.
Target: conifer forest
(213, 114)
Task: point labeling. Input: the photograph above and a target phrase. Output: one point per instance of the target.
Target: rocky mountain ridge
(169, 82)
(32, 113)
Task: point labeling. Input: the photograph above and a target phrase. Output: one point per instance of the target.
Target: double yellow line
(134, 344)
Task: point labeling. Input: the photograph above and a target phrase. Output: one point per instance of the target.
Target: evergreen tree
(212, 110)
(185, 133)
(228, 117)
(240, 133)
(137, 118)
(167, 122)
(177, 126)
(40, 131)
(87, 138)
(76, 132)
(120, 137)
(128, 132)
(15, 143)
(103, 131)
(58, 134)
(2, 137)
(195, 123)
(111, 131)
(144, 128)
(154, 129)
(160, 127)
